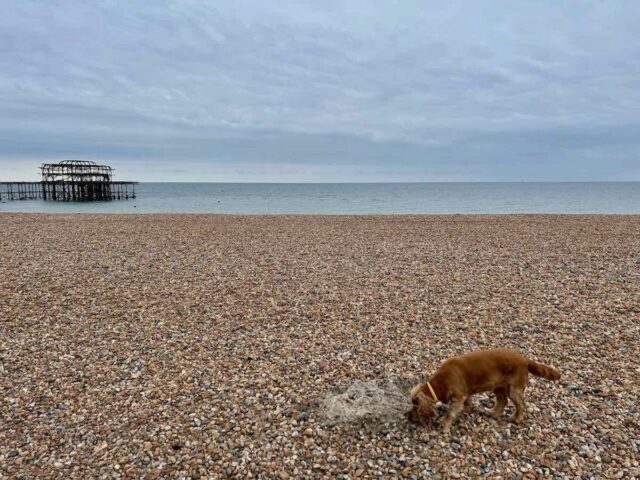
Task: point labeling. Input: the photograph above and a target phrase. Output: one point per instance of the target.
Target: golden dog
(503, 372)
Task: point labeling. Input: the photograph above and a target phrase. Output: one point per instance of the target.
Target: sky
(323, 91)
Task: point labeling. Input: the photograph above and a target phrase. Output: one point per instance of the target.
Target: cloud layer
(301, 91)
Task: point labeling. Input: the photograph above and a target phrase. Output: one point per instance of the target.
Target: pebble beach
(205, 346)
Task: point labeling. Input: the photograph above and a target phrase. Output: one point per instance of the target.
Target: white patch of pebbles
(369, 402)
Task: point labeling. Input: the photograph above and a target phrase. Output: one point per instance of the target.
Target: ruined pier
(70, 181)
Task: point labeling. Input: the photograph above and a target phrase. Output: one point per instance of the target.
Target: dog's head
(424, 407)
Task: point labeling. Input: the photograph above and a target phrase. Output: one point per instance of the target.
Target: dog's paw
(518, 420)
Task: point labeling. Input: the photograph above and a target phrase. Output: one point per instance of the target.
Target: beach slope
(148, 346)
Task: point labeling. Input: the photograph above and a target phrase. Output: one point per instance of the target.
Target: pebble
(186, 346)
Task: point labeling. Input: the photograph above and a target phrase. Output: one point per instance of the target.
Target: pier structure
(70, 181)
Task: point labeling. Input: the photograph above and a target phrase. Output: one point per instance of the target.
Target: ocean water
(360, 198)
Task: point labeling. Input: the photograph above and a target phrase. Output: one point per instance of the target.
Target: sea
(359, 199)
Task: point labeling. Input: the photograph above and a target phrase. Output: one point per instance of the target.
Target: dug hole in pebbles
(373, 403)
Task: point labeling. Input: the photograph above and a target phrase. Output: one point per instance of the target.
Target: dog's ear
(424, 405)
(422, 397)
(416, 390)
(418, 397)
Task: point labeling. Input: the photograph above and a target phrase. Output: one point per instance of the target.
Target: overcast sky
(323, 90)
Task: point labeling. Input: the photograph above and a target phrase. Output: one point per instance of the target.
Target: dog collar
(433, 393)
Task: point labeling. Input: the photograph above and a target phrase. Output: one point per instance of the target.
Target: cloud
(444, 90)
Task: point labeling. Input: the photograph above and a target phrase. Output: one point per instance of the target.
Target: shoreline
(322, 215)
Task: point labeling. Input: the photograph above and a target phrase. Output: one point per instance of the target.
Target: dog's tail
(544, 371)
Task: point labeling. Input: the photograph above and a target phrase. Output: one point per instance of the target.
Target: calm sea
(360, 198)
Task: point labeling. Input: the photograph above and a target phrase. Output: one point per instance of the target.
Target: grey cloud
(468, 89)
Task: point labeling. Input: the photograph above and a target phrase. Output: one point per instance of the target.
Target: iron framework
(71, 180)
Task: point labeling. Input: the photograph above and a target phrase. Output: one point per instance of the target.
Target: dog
(501, 371)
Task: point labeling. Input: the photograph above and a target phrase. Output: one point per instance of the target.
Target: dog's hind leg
(517, 396)
(501, 402)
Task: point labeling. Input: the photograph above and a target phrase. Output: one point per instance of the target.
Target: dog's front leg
(457, 405)
(468, 404)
